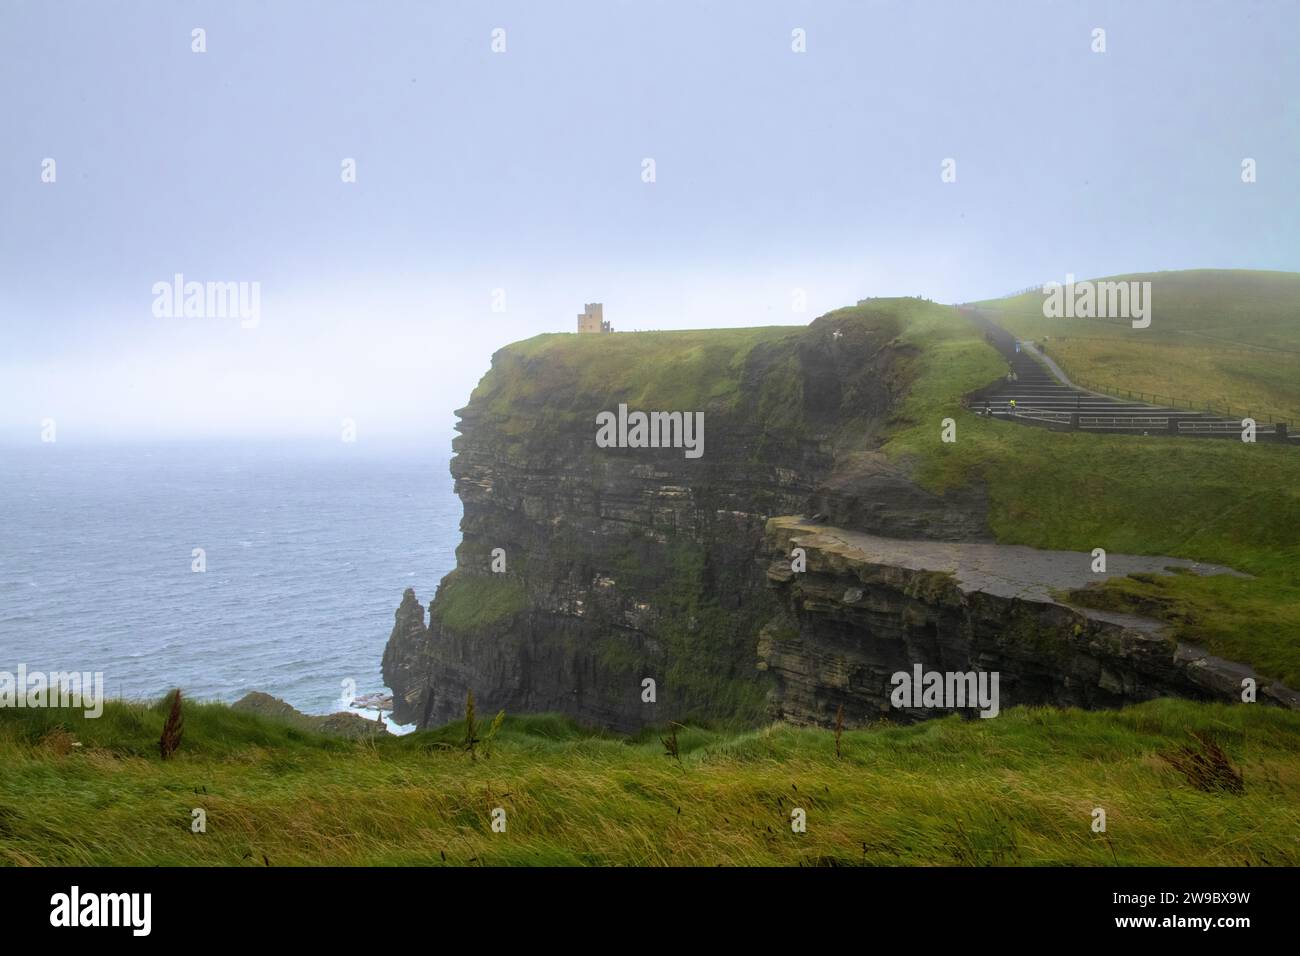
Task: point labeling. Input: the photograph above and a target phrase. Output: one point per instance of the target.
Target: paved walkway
(1052, 367)
(1003, 570)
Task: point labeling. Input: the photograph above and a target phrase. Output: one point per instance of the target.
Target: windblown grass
(1016, 790)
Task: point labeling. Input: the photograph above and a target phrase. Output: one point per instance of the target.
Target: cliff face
(623, 564)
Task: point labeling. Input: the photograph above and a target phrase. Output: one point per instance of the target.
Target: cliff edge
(622, 564)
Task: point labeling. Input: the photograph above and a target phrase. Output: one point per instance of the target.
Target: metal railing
(1226, 428)
(1040, 414)
(1123, 421)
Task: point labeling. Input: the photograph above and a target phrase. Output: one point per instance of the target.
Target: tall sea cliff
(584, 572)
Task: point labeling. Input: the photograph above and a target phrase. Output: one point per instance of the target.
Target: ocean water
(308, 550)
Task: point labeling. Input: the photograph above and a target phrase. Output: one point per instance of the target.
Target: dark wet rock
(868, 607)
(342, 724)
(378, 700)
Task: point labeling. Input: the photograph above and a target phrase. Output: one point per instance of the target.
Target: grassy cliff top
(682, 370)
(693, 369)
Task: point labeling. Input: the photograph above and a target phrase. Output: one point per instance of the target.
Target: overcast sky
(522, 171)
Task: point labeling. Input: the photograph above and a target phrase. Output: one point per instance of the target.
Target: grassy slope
(1217, 501)
(1016, 790)
(1217, 337)
(467, 602)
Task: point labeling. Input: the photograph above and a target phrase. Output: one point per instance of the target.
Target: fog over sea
(308, 550)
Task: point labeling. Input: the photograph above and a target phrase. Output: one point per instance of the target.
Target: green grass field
(1018, 790)
(1217, 338)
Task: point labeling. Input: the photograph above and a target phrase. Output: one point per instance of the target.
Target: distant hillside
(1218, 337)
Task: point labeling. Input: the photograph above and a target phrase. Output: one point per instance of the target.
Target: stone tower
(592, 319)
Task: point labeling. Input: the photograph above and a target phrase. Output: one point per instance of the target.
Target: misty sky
(522, 171)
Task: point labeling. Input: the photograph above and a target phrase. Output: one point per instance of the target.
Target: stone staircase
(1040, 394)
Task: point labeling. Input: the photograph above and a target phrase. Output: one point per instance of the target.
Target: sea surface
(307, 549)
